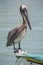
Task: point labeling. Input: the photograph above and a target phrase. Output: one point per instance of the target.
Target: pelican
(17, 34)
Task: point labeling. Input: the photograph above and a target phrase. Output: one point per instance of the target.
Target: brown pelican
(17, 34)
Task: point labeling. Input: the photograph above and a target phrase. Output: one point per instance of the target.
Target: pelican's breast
(23, 32)
(20, 36)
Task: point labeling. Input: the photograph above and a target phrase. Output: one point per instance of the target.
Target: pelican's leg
(19, 45)
(14, 45)
(21, 48)
(15, 49)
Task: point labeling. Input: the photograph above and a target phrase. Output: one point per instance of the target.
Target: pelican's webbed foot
(16, 50)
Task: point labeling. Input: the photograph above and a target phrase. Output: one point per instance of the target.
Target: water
(10, 18)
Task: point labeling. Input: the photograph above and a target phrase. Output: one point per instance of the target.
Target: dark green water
(10, 18)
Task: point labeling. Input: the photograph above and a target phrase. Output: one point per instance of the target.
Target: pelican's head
(24, 13)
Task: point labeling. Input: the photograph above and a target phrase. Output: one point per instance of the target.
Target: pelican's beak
(26, 16)
(28, 22)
